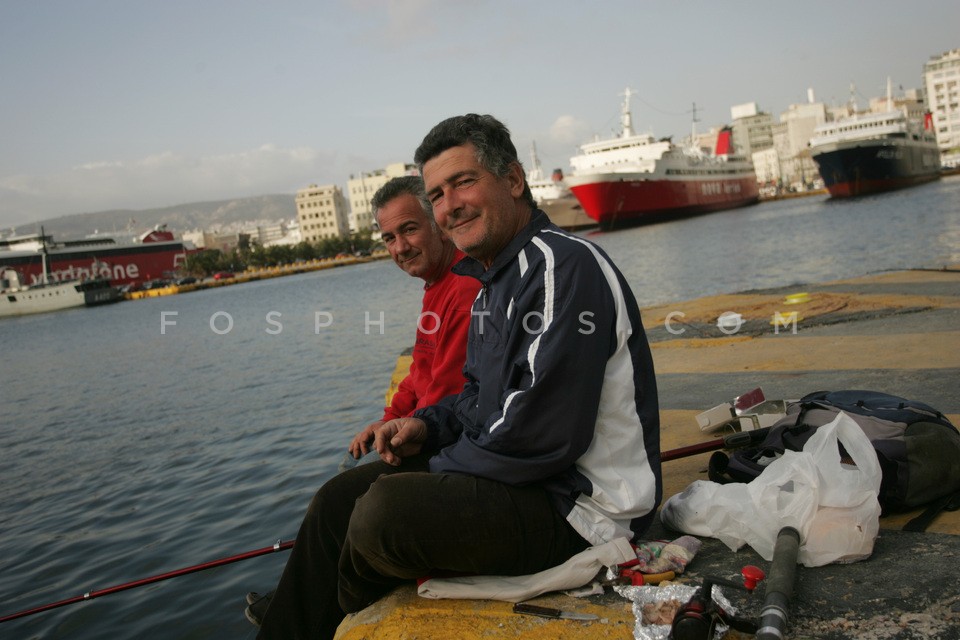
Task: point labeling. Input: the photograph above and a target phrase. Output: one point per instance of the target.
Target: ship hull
(615, 199)
(100, 291)
(121, 264)
(41, 300)
(57, 297)
(873, 166)
(567, 213)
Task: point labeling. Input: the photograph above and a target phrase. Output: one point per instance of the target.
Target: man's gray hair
(412, 185)
(489, 136)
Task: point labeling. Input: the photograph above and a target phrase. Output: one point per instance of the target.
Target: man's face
(414, 244)
(476, 208)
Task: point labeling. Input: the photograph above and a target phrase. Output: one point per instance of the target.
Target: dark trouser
(374, 527)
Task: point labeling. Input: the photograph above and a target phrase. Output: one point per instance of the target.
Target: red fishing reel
(699, 616)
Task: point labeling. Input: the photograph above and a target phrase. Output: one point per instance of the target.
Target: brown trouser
(374, 527)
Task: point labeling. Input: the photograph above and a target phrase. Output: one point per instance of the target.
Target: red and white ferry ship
(155, 254)
(633, 177)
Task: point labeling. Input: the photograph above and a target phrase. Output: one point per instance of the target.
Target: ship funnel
(724, 143)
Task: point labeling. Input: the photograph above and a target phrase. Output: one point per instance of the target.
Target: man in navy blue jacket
(552, 446)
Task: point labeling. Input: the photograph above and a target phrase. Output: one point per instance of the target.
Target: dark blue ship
(873, 152)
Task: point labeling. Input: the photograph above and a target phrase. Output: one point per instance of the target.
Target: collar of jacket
(470, 267)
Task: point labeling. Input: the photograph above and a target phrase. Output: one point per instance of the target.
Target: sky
(130, 104)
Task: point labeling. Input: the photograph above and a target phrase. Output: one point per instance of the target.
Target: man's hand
(360, 445)
(397, 439)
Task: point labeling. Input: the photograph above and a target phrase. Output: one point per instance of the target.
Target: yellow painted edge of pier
(258, 274)
(405, 615)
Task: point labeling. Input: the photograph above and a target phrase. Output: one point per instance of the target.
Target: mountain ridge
(178, 218)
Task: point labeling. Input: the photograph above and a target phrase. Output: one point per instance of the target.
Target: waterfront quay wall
(257, 274)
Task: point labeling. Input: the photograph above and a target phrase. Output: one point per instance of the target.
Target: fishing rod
(90, 595)
(733, 441)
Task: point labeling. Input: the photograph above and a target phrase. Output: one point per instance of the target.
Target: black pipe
(776, 604)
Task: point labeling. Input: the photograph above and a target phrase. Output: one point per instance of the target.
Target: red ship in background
(155, 254)
(633, 178)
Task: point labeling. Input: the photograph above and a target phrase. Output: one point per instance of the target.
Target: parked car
(186, 280)
(131, 287)
(223, 275)
(157, 283)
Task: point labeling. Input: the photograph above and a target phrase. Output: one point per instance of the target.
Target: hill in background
(178, 218)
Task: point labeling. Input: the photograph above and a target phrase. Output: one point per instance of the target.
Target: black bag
(918, 448)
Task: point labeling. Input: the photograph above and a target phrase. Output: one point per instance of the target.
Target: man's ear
(516, 179)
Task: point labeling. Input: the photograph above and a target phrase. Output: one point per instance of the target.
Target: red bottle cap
(751, 576)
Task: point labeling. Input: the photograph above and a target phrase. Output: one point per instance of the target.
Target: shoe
(257, 606)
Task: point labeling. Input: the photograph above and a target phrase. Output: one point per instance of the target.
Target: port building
(362, 187)
(322, 213)
(941, 77)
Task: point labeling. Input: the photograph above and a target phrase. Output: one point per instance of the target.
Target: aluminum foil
(651, 594)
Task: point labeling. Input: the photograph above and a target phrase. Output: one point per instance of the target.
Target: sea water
(152, 435)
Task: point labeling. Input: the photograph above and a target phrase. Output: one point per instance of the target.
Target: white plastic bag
(833, 505)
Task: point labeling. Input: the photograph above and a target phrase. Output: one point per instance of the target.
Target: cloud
(401, 22)
(97, 165)
(168, 178)
(569, 130)
(412, 22)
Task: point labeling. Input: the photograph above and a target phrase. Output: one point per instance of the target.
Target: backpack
(917, 446)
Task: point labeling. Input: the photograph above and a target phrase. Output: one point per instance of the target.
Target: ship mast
(693, 127)
(626, 120)
(536, 171)
(889, 95)
(43, 253)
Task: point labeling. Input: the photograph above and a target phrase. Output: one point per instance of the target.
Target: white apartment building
(322, 213)
(752, 129)
(911, 102)
(792, 137)
(941, 76)
(779, 150)
(224, 241)
(766, 164)
(280, 233)
(263, 233)
(360, 190)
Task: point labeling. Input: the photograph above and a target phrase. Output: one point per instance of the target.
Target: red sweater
(440, 349)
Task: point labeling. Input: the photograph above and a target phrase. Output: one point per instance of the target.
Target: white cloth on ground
(575, 572)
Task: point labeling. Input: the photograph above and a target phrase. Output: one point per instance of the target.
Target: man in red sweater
(418, 247)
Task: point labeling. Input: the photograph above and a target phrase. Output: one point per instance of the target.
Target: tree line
(249, 254)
